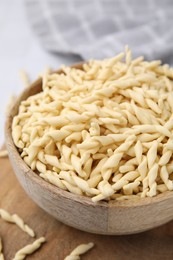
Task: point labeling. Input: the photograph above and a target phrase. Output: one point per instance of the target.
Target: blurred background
(36, 34)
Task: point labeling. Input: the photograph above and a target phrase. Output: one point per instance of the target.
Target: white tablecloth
(19, 49)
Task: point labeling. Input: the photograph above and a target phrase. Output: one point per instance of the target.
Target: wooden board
(156, 244)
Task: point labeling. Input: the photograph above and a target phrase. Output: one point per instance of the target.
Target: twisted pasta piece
(25, 78)
(3, 153)
(11, 101)
(152, 154)
(16, 220)
(1, 253)
(29, 249)
(79, 250)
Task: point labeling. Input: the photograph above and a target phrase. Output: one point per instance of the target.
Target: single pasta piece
(11, 101)
(16, 220)
(1, 253)
(25, 78)
(29, 249)
(3, 153)
(79, 250)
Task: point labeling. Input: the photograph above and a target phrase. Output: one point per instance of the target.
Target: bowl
(109, 218)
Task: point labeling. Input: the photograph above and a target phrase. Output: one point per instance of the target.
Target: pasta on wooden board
(79, 250)
(1, 248)
(29, 249)
(16, 220)
(105, 131)
(3, 153)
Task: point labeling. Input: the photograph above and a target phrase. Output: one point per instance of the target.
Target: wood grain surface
(156, 244)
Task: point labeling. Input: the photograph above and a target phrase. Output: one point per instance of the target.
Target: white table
(20, 49)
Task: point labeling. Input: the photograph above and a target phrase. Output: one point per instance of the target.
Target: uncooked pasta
(10, 103)
(29, 249)
(25, 78)
(3, 153)
(16, 220)
(104, 131)
(79, 250)
(1, 253)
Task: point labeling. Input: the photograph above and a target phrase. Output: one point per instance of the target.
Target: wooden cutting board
(156, 244)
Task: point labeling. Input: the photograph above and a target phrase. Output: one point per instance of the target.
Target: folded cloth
(100, 28)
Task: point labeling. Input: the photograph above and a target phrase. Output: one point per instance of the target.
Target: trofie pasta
(104, 131)
(3, 153)
(79, 250)
(16, 220)
(29, 249)
(1, 253)
(10, 103)
(25, 78)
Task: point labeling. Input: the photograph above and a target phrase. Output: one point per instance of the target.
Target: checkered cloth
(101, 28)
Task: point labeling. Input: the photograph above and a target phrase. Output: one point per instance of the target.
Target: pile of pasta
(104, 131)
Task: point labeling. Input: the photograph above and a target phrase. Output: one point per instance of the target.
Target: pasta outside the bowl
(29, 249)
(15, 219)
(1, 252)
(79, 250)
(104, 131)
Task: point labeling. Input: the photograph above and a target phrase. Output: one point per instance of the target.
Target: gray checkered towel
(101, 28)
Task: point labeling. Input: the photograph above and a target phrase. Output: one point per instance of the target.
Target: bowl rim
(12, 150)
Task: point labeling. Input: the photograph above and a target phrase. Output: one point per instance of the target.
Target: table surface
(20, 50)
